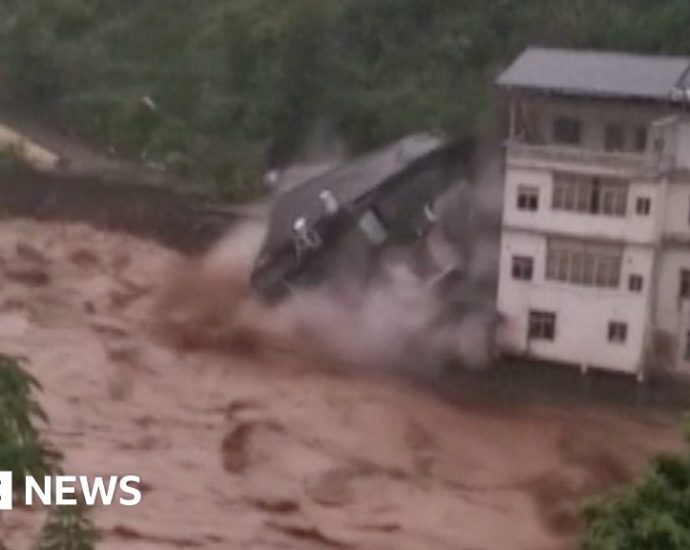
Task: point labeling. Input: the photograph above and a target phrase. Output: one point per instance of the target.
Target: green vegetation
(653, 514)
(217, 89)
(67, 528)
(22, 449)
(25, 453)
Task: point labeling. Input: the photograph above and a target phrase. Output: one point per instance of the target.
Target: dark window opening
(567, 131)
(595, 198)
(635, 283)
(542, 325)
(618, 332)
(523, 268)
(641, 139)
(528, 198)
(684, 290)
(643, 206)
(614, 138)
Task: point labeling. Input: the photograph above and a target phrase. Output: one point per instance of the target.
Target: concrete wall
(583, 313)
(183, 220)
(632, 227)
(594, 116)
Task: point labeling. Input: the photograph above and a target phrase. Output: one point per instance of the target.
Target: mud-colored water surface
(258, 446)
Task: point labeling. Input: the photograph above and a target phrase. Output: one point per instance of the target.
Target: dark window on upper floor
(527, 197)
(523, 268)
(643, 206)
(567, 131)
(614, 138)
(641, 139)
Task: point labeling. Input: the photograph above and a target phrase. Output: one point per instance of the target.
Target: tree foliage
(24, 452)
(67, 528)
(653, 514)
(239, 84)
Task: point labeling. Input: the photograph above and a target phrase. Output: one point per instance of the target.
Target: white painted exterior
(656, 246)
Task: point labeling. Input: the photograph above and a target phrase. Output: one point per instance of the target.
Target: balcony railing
(634, 163)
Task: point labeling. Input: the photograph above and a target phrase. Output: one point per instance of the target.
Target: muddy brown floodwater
(253, 445)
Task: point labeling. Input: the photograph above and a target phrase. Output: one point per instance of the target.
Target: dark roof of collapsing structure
(347, 183)
(599, 74)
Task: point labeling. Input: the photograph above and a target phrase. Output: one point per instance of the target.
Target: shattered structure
(387, 242)
(340, 225)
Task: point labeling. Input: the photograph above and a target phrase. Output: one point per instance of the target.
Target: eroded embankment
(247, 437)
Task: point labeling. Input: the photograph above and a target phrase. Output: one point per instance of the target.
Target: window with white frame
(584, 263)
(528, 197)
(523, 268)
(542, 325)
(618, 332)
(571, 193)
(576, 193)
(614, 198)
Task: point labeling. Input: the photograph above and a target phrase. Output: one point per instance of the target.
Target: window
(542, 325)
(618, 332)
(643, 206)
(641, 139)
(583, 263)
(659, 144)
(635, 283)
(613, 197)
(567, 131)
(687, 346)
(614, 138)
(528, 198)
(523, 268)
(571, 193)
(575, 193)
(684, 283)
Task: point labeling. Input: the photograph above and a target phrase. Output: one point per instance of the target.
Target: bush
(652, 514)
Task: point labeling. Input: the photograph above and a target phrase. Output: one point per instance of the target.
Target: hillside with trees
(219, 89)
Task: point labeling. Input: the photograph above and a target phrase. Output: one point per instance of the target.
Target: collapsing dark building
(342, 223)
(399, 221)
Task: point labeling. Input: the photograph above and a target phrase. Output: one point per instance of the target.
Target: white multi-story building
(595, 248)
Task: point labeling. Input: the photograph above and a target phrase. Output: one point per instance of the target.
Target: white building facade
(595, 248)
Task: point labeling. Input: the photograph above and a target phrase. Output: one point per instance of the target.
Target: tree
(24, 452)
(67, 528)
(652, 514)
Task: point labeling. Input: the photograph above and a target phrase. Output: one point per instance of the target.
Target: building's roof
(347, 182)
(599, 74)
